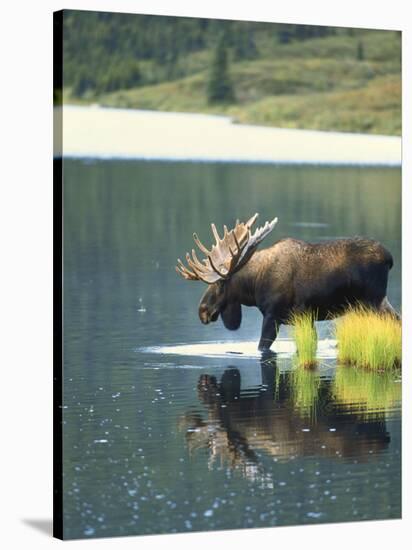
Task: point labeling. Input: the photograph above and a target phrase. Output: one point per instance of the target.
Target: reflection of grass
(304, 334)
(368, 339)
(365, 390)
(304, 390)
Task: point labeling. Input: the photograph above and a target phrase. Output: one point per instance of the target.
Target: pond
(161, 436)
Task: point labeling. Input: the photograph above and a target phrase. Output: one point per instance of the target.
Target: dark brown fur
(293, 276)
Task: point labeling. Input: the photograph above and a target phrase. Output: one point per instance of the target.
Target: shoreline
(105, 133)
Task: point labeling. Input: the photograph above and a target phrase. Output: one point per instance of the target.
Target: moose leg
(386, 307)
(269, 332)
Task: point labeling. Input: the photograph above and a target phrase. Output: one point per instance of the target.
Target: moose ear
(232, 316)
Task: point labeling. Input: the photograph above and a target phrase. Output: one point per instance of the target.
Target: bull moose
(289, 277)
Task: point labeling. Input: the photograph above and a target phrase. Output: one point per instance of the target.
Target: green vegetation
(374, 108)
(304, 334)
(293, 76)
(220, 89)
(366, 391)
(360, 51)
(369, 339)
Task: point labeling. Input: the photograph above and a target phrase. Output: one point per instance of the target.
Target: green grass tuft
(369, 339)
(306, 340)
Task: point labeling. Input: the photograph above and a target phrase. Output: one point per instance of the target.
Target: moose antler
(227, 254)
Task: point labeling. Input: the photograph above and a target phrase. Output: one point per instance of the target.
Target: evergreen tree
(220, 88)
(359, 52)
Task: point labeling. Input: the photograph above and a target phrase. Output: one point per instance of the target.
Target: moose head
(222, 261)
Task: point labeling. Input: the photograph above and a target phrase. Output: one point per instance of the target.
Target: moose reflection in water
(292, 276)
(286, 417)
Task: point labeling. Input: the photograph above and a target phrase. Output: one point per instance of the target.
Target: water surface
(171, 441)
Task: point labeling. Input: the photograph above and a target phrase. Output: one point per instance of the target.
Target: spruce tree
(220, 88)
(360, 55)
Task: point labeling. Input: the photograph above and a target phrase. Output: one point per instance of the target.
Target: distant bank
(94, 132)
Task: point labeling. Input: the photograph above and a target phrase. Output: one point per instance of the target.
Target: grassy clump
(369, 339)
(366, 391)
(306, 340)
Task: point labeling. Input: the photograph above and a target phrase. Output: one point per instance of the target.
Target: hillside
(282, 75)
